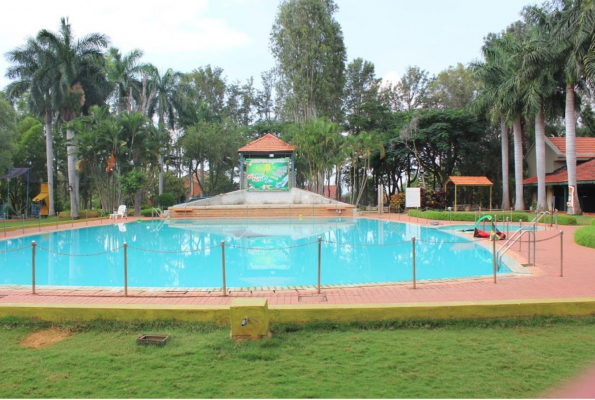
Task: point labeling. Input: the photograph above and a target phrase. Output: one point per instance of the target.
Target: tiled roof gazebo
(469, 181)
(266, 146)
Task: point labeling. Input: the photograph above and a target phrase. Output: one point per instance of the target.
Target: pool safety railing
(497, 254)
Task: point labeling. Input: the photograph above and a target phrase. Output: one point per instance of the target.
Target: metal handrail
(538, 217)
(513, 239)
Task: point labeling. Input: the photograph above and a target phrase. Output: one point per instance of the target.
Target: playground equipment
(478, 233)
(41, 206)
(7, 207)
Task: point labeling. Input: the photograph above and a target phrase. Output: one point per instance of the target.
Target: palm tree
(541, 92)
(136, 134)
(76, 80)
(30, 65)
(502, 99)
(122, 72)
(573, 40)
(164, 105)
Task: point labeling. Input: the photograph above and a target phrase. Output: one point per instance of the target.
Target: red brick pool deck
(544, 282)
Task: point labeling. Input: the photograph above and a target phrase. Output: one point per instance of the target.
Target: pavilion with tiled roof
(556, 178)
(469, 181)
(267, 146)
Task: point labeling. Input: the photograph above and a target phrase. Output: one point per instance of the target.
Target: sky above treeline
(234, 34)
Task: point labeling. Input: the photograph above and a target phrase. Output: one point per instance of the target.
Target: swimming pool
(258, 253)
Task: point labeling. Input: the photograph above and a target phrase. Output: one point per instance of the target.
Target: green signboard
(268, 173)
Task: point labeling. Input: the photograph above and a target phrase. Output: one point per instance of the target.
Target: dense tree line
(103, 128)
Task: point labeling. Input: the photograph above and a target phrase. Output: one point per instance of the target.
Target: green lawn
(514, 358)
(16, 224)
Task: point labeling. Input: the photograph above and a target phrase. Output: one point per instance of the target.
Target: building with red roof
(269, 147)
(556, 178)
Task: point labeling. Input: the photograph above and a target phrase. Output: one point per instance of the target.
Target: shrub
(429, 199)
(469, 216)
(564, 220)
(585, 236)
(166, 200)
(148, 212)
(502, 215)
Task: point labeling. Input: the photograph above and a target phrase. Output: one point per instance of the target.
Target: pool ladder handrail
(512, 240)
(156, 211)
(538, 217)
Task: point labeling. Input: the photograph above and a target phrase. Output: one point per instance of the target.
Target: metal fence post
(33, 266)
(413, 257)
(561, 253)
(4, 225)
(57, 218)
(125, 269)
(39, 222)
(87, 217)
(101, 216)
(23, 223)
(494, 256)
(223, 267)
(319, 254)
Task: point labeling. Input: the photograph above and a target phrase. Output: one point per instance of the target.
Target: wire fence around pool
(497, 254)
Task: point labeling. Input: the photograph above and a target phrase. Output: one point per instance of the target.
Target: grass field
(507, 358)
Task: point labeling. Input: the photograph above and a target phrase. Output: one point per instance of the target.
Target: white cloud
(390, 79)
(161, 29)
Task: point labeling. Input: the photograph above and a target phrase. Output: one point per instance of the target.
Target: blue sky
(234, 34)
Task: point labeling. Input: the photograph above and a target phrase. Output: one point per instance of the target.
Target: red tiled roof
(267, 144)
(470, 181)
(585, 172)
(584, 145)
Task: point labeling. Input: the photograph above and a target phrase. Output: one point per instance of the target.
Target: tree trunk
(505, 166)
(72, 178)
(540, 160)
(571, 147)
(137, 201)
(518, 165)
(160, 172)
(49, 153)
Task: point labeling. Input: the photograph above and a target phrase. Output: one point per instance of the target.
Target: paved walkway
(543, 282)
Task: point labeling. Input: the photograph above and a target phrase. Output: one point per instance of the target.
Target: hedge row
(148, 212)
(585, 236)
(502, 215)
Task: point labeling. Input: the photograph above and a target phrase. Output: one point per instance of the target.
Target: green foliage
(133, 182)
(530, 356)
(429, 199)
(585, 236)
(166, 200)
(8, 131)
(565, 220)
(149, 212)
(470, 216)
(307, 43)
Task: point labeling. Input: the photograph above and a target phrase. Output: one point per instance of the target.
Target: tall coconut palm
(541, 76)
(122, 73)
(573, 38)
(164, 105)
(29, 70)
(76, 81)
(502, 100)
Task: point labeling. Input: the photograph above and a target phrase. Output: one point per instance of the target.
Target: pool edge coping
(304, 313)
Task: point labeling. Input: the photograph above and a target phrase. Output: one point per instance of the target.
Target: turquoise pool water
(257, 253)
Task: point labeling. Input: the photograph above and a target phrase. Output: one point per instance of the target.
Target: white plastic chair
(120, 213)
